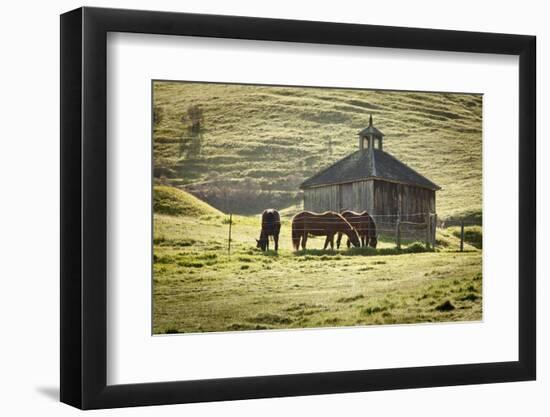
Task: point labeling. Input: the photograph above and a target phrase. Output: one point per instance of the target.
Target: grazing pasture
(199, 287)
(241, 149)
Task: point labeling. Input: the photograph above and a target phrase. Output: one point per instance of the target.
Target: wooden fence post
(398, 234)
(428, 230)
(434, 229)
(229, 239)
(462, 236)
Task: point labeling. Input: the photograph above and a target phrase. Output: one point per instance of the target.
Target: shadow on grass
(416, 247)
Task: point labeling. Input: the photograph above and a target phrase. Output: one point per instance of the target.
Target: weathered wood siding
(346, 196)
(386, 201)
(356, 196)
(320, 199)
(408, 202)
(381, 198)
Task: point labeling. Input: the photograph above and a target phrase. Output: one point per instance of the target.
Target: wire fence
(400, 227)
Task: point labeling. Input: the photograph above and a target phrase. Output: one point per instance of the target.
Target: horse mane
(270, 215)
(356, 213)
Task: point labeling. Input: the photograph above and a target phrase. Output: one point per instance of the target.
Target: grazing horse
(271, 226)
(364, 224)
(321, 224)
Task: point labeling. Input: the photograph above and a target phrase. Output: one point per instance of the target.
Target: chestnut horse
(271, 226)
(364, 224)
(321, 224)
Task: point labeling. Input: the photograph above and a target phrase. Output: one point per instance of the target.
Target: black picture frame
(84, 207)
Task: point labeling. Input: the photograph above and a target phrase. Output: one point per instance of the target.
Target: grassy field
(262, 142)
(253, 146)
(199, 287)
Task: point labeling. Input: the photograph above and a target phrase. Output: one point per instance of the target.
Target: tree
(194, 115)
(157, 115)
(191, 139)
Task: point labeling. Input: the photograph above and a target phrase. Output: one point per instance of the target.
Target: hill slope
(258, 143)
(172, 201)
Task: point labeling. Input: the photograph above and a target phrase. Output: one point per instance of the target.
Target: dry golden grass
(274, 137)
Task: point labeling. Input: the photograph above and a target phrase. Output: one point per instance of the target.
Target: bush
(446, 306)
(171, 331)
(373, 310)
(158, 115)
(416, 247)
(473, 235)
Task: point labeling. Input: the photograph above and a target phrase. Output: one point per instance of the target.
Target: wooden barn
(373, 180)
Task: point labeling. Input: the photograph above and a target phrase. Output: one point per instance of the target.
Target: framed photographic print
(257, 208)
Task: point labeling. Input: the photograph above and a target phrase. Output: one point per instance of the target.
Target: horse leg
(326, 242)
(276, 239)
(304, 240)
(266, 242)
(338, 240)
(332, 241)
(348, 243)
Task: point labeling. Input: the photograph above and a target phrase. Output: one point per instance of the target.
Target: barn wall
(362, 195)
(408, 201)
(405, 202)
(322, 199)
(380, 198)
(347, 198)
(355, 196)
(386, 201)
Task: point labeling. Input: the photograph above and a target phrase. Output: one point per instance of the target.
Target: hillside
(172, 201)
(257, 143)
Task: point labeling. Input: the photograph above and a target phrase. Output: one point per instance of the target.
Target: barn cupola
(370, 134)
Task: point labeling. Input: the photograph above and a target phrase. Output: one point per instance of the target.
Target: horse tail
(295, 236)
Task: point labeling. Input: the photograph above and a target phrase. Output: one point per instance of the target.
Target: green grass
(262, 142)
(199, 287)
(472, 235)
(256, 146)
(170, 200)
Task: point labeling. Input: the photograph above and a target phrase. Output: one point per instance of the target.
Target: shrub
(416, 247)
(171, 330)
(470, 297)
(191, 264)
(373, 310)
(350, 299)
(270, 319)
(473, 235)
(158, 115)
(446, 306)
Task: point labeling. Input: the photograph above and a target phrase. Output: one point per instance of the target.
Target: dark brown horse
(321, 224)
(364, 224)
(271, 226)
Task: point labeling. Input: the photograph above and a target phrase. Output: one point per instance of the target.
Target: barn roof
(358, 166)
(371, 130)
